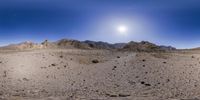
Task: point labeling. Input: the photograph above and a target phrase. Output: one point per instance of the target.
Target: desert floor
(72, 74)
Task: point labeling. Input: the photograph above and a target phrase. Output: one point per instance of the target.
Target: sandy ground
(99, 75)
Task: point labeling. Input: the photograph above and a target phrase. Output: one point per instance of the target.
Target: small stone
(61, 56)
(193, 57)
(95, 61)
(190, 99)
(142, 82)
(112, 95)
(53, 64)
(25, 79)
(168, 80)
(1, 93)
(124, 95)
(114, 67)
(147, 84)
(5, 74)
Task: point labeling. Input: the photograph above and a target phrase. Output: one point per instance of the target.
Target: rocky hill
(66, 43)
(143, 46)
(99, 45)
(23, 46)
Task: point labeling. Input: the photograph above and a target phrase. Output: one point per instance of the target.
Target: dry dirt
(72, 74)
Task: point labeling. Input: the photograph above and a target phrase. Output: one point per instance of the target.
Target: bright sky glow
(122, 29)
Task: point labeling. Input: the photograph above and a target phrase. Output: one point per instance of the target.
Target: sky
(164, 22)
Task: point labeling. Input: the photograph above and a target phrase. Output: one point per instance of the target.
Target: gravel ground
(74, 74)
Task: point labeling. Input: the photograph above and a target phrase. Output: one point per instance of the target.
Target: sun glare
(122, 29)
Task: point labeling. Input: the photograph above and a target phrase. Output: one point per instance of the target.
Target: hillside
(143, 46)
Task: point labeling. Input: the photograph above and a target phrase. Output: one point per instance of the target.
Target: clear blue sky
(167, 22)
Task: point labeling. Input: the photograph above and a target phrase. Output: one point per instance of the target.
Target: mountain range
(143, 46)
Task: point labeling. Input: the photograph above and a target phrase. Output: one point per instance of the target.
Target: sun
(122, 29)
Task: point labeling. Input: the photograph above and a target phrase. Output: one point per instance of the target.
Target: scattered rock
(95, 61)
(43, 67)
(1, 93)
(53, 64)
(131, 82)
(25, 79)
(111, 95)
(5, 74)
(114, 67)
(124, 95)
(190, 99)
(61, 56)
(168, 80)
(43, 91)
(147, 84)
(193, 57)
(142, 82)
